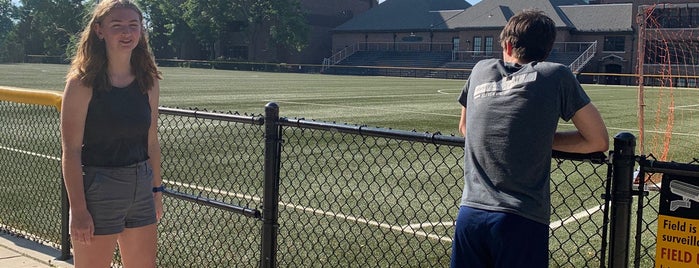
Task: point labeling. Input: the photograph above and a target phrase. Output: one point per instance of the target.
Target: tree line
(185, 29)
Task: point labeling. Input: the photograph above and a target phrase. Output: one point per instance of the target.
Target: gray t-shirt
(511, 116)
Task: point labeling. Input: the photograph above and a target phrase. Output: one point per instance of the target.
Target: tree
(183, 27)
(7, 13)
(160, 19)
(288, 25)
(283, 19)
(46, 27)
(170, 35)
(209, 20)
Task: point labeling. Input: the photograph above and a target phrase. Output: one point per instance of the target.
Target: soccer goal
(668, 94)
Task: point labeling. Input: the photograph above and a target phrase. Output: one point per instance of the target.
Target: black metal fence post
(623, 161)
(270, 203)
(65, 218)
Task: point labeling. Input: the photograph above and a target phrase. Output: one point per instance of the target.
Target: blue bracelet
(159, 188)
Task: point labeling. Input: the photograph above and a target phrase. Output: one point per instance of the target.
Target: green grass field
(426, 105)
(421, 104)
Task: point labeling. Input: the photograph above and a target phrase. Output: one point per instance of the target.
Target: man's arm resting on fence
(590, 134)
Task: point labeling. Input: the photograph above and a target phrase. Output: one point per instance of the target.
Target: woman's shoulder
(74, 82)
(75, 87)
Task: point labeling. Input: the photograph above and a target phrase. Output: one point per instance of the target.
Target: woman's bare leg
(99, 253)
(139, 246)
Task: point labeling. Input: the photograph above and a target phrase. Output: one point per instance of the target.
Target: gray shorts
(119, 197)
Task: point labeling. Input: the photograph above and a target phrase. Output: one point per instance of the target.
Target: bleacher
(410, 63)
(412, 59)
(565, 58)
(460, 64)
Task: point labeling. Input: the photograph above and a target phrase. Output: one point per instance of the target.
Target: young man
(510, 112)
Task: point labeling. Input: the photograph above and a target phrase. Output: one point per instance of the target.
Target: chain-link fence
(368, 197)
(646, 208)
(30, 172)
(364, 197)
(212, 165)
(247, 190)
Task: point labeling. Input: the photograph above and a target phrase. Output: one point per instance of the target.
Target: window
(614, 43)
(489, 45)
(693, 18)
(477, 44)
(455, 43)
(677, 17)
(671, 18)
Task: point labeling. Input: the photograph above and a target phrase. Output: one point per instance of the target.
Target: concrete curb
(16, 252)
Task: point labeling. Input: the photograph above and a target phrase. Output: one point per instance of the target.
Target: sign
(677, 243)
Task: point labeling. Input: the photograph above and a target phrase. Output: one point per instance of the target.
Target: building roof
(496, 13)
(424, 15)
(405, 15)
(600, 18)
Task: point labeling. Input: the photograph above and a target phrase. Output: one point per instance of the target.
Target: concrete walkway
(21, 253)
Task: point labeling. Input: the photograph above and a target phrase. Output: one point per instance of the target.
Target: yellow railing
(32, 96)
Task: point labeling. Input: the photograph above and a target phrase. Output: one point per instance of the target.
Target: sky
(473, 2)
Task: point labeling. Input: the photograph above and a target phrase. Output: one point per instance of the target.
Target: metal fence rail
(356, 196)
(360, 196)
(248, 190)
(211, 164)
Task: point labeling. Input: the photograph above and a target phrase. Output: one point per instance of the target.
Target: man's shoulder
(490, 61)
(486, 64)
(548, 65)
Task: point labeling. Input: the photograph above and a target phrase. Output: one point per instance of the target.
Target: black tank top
(116, 127)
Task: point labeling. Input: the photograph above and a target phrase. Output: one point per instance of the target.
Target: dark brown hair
(531, 34)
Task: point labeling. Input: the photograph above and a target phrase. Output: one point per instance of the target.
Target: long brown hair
(90, 61)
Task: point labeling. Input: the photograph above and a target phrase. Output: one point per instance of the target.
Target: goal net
(668, 95)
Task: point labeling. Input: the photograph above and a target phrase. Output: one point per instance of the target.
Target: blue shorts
(119, 197)
(496, 239)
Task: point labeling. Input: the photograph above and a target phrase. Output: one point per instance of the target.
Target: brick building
(595, 36)
(322, 17)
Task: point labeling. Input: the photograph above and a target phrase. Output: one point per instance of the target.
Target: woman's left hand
(158, 198)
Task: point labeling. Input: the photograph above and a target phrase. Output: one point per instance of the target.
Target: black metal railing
(254, 190)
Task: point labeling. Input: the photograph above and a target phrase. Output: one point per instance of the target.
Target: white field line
(404, 228)
(458, 115)
(594, 87)
(30, 153)
(448, 91)
(367, 96)
(363, 108)
(575, 217)
(647, 131)
(212, 190)
(442, 91)
(687, 106)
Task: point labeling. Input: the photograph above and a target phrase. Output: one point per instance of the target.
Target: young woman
(111, 153)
